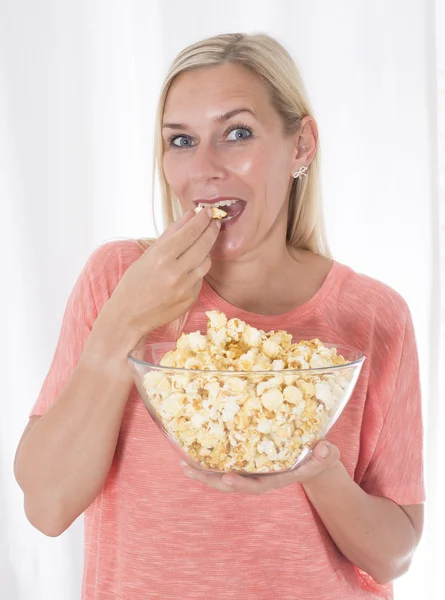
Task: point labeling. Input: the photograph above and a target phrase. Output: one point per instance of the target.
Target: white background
(78, 85)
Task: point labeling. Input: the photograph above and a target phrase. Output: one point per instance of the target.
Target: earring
(301, 171)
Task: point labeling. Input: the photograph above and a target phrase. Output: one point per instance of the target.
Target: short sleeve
(395, 470)
(91, 291)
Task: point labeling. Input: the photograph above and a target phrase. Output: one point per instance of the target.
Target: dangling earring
(301, 171)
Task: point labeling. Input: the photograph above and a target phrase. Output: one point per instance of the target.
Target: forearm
(372, 532)
(63, 461)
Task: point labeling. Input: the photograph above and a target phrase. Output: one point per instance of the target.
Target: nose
(206, 164)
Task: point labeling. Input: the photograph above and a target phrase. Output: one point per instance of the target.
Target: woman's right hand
(163, 284)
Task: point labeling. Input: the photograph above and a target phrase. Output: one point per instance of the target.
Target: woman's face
(224, 142)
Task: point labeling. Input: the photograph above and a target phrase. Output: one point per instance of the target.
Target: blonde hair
(271, 62)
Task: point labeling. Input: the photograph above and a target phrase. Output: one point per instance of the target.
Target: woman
(234, 125)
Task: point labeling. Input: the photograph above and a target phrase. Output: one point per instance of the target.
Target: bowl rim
(179, 370)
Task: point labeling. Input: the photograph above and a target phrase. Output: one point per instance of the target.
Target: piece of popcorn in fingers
(217, 213)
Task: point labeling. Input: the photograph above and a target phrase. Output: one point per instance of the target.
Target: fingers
(233, 482)
(171, 230)
(325, 454)
(195, 257)
(248, 485)
(318, 462)
(174, 227)
(189, 234)
(192, 236)
(201, 270)
(213, 481)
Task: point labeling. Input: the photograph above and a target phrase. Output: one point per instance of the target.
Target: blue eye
(239, 134)
(184, 141)
(236, 133)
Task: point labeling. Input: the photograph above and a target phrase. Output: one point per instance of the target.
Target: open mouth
(232, 207)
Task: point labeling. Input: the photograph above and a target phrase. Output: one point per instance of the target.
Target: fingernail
(209, 212)
(227, 481)
(182, 463)
(188, 472)
(324, 451)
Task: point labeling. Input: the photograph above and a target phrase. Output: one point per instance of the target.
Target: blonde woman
(234, 128)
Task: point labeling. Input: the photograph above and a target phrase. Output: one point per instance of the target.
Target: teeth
(218, 204)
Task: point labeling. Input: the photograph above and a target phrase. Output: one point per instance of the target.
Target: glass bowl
(250, 422)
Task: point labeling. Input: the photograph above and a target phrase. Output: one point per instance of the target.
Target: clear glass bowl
(211, 417)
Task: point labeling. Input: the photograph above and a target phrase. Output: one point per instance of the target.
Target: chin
(228, 250)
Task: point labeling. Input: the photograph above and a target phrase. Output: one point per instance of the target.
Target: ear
(305, 144)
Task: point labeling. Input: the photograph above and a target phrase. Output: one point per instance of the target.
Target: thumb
(325, 454)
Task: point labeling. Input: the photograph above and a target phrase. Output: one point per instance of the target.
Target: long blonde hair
(270, 61)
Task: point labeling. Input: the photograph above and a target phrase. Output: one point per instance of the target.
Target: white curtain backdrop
(78, 85)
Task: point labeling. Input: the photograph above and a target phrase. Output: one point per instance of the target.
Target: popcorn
(198, 419)
(292, 394)
(324, 393)
(235, 385)
(217, 213)
(229, 410)
(247, 415)
(268, 448)
(193, 341)
(252, 337)
(272, 399)
(235, 328)
(278, 365)
(216, 319)
(271, 348)
(247, 361)
(264, 425)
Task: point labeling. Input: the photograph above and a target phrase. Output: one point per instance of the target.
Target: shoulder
(379, 321)
(112, 258)
(103, 270)
(125, 249)
(369, 295)
(106, 265)
(369, 312)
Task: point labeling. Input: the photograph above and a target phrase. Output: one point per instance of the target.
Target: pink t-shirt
(153, 534)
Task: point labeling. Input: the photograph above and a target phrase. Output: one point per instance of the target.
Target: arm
(374, 533)
(63, 459)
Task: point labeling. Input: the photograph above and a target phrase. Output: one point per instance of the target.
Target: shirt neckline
(320, 296)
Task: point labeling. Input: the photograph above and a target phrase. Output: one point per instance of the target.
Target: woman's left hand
(319, 462)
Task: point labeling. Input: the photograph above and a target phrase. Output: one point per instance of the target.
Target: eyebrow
(219, 119)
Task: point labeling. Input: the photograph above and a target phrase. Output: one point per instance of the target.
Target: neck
(259, 282)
